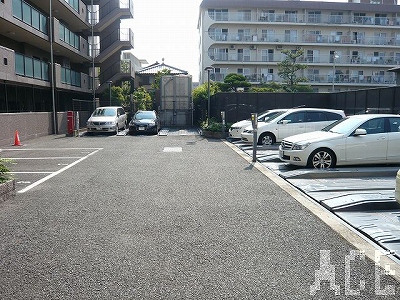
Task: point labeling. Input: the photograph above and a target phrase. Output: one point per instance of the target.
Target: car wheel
(266, 139)
(322, 159)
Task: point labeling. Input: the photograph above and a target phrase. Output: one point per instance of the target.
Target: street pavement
(176, 217)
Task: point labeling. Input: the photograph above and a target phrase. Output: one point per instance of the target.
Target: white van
(107, 119)
(237, 128)
(291, 122)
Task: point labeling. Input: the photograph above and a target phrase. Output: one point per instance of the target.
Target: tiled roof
(156, 67)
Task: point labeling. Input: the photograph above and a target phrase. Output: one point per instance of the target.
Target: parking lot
(362, 196)
(149, 212)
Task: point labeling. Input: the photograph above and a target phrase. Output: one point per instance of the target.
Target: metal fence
(239, 106)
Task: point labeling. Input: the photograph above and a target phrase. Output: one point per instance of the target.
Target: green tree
(142, 99)
(200, 93)
(288, 68)
(157, 78)
(232, 82)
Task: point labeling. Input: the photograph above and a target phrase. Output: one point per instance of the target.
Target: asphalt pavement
(173, 217)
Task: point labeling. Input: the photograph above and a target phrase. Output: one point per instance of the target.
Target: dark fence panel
(239, 106)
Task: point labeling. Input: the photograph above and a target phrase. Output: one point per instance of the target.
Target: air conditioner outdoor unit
(279, 47)
(232, 47)
(252, 47)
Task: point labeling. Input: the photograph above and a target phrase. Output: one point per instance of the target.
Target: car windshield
(104, 112)
(342, 126)
(145, 115)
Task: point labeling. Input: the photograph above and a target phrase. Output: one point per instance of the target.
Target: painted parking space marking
(43, 158)
(56, 173)
(86, 152)
(172, 149)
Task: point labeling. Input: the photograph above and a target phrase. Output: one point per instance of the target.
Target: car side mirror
(284, 122)
(360, 131)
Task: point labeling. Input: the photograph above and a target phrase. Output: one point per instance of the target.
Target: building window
(218, 14)
(5, 61)
(314, 17)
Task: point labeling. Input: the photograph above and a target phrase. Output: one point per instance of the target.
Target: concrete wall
(33, 125)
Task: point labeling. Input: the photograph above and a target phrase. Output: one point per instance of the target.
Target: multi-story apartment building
(346, 46)
(53, 51)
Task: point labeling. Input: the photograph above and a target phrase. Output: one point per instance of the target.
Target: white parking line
(40, 158)
(56, 173)
(31, 172)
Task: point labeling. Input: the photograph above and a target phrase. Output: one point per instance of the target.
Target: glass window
(394, 124)
(296, 117)
(19, 64)
(374, 126)
(17, 9)
(315, 116)
(332, 116)
(37, 69)
(62, 32)
(26, 13)
(28, 67)
(67, 76)
(35, 19)
(43, 23)
(71, 38)
(45, 71)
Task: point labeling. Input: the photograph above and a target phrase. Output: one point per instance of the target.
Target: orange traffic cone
(17, 142)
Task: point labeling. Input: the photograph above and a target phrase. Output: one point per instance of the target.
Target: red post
(70, 122)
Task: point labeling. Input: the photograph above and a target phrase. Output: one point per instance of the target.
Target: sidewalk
(137, 221)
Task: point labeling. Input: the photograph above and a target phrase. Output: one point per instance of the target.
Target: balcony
(116, 41)
(338, 39)
(113, 11)
(388, 60)
(299, 18)
(120, 71)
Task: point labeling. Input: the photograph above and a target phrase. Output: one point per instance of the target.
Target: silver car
(107, 119)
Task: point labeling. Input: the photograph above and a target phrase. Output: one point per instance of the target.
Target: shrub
(213, 125)
(4, 171)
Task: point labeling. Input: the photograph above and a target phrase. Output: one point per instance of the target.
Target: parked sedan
(144, 121)
(237, 128)
(359, 139)
(107, 119)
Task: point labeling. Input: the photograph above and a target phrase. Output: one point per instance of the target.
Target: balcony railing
(113, 5)
(326, 18)
(122, 35)
(30, 15)
(307, 38)
(31, 67)
(318, 79)
(70, 77)
(323, 59)
(120, 67)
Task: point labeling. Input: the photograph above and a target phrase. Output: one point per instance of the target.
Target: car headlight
(152, 123)
(111, 123)
(300, 146)
(248, 131)
(89, 123)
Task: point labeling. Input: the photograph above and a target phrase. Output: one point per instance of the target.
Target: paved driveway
(171, 217)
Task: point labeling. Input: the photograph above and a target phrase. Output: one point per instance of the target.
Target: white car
(291, 122)
(237, 128)
(358, 139)
(107, 119)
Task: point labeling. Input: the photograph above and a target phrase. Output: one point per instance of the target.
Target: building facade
(55, 51)
(347, 46)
